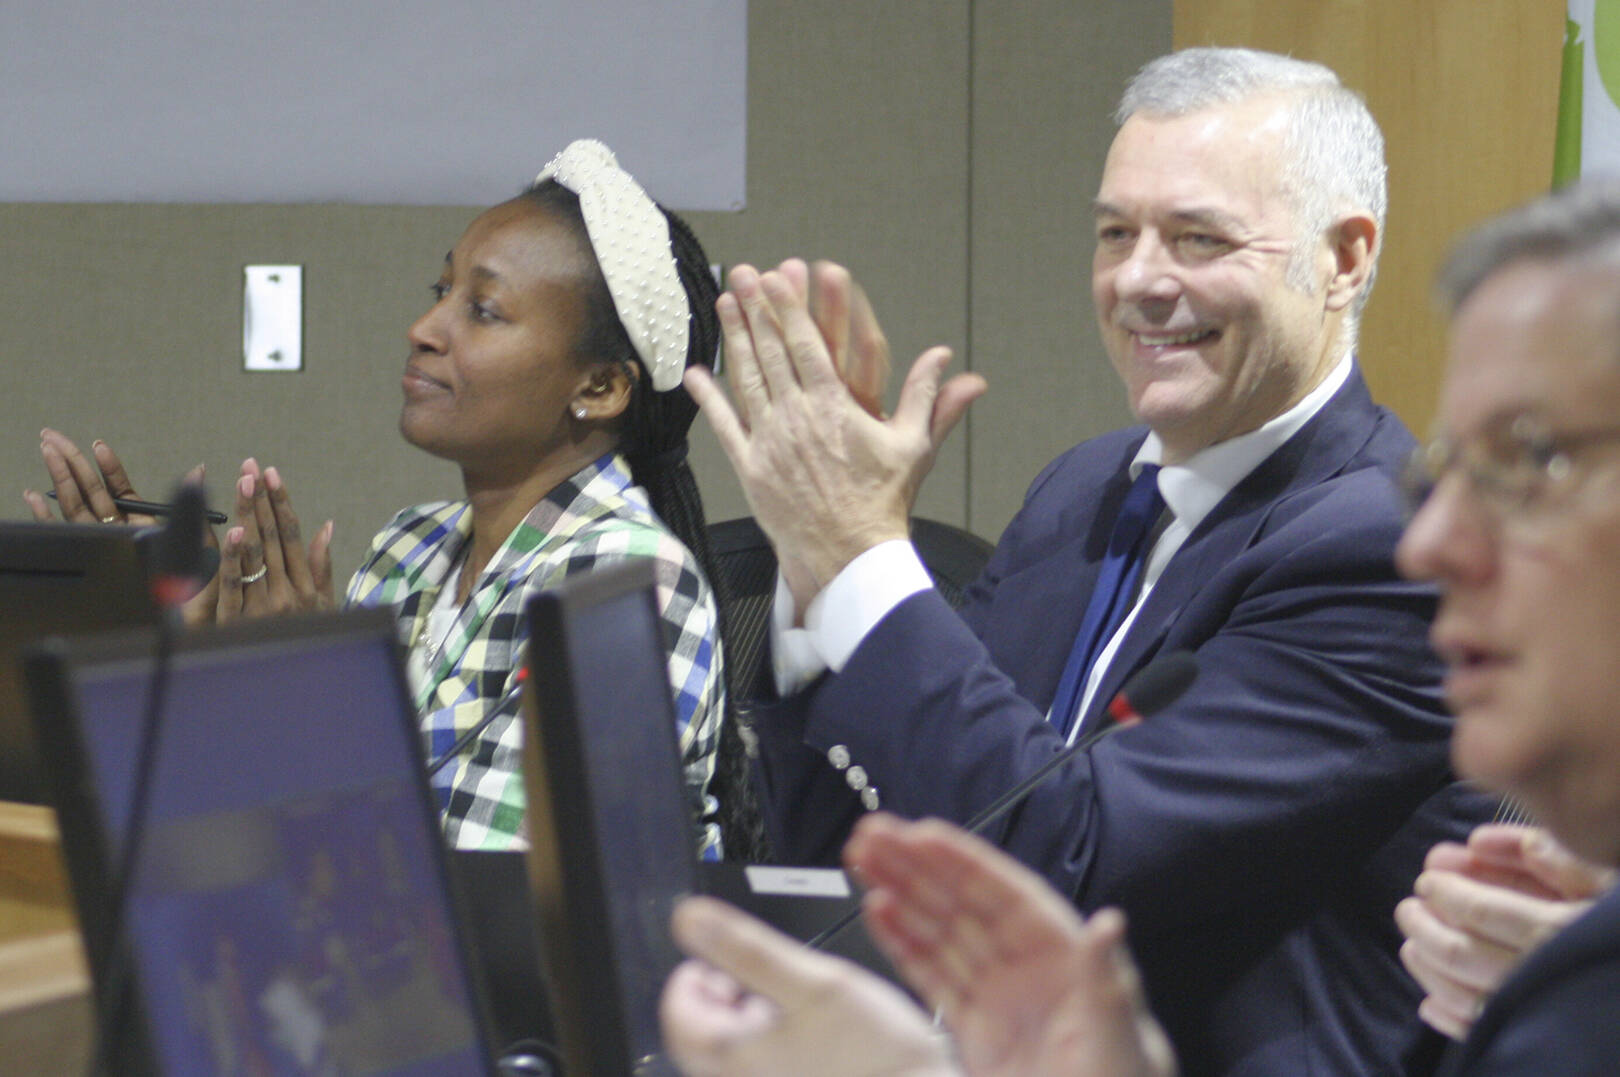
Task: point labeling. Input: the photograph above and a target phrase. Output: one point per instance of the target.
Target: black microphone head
(1160, 683)
(207, 564)
(180, 550)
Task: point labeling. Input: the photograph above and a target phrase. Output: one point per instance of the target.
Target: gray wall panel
(879, 134)
(1045, 85)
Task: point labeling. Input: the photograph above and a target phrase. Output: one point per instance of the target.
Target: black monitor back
(57, 579)
(612, 838)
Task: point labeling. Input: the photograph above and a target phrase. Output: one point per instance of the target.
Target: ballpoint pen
(153, 508)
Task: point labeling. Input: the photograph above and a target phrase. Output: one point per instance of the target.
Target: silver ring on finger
(257, 576)
(110, 519)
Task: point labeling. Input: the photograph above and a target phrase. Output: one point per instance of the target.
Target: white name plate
(797, 882)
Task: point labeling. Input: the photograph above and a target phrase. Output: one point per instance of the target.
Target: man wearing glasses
(1519, 523)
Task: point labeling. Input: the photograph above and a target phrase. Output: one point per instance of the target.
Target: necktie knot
(1141, 509)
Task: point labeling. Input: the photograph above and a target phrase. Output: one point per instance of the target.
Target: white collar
(1195, 486)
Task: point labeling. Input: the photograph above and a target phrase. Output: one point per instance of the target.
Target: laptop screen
(289, 911)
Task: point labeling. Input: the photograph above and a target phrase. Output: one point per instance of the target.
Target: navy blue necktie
(1112, 598)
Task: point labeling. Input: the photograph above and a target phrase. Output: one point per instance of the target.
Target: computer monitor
(57, 579)
(289, 910)
(612, 838)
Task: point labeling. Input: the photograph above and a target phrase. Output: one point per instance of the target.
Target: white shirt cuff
(794, 660)
(843, 614)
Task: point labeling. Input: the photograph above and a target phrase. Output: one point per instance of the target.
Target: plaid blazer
(595, 517)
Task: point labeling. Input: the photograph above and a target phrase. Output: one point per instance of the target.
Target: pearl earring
(579, 413)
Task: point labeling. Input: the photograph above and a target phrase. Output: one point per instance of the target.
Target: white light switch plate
(273, 318)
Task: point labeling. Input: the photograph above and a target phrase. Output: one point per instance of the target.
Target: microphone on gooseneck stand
(179, 566)
(1154, 687)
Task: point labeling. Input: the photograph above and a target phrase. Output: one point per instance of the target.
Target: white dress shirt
(873, 584)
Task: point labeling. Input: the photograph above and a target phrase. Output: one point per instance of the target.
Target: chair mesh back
(953, 557)
(745, 559)
(743, 556)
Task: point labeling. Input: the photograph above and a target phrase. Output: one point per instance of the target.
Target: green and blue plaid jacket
(597, 517)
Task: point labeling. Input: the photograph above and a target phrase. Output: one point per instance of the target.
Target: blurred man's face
(1191, 281)
(1522, 534)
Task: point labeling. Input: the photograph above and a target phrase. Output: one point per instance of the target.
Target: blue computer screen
(288, 914)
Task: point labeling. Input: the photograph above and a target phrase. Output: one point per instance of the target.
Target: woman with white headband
(548, 368)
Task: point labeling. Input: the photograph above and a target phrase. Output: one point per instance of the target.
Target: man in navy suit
(1260, 831)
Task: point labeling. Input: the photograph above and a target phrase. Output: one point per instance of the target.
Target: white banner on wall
(408, 102)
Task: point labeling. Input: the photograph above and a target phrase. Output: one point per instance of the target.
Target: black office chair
(954, 558)
(747, 566)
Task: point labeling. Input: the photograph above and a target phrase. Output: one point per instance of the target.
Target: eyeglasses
(1516, 469)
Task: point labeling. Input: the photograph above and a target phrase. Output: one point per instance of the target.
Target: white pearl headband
(630, 235)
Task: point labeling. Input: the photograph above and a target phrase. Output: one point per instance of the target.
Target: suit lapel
(1318, 451)
(1059, 584)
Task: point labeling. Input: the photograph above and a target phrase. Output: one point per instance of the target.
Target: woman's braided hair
(653, 438)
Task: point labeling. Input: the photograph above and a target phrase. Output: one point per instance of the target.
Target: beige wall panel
(1467, 94)
(125, 321)
(1047, 74)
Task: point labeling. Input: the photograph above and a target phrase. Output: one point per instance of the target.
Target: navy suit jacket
(1259, 831)
(1560, 1013)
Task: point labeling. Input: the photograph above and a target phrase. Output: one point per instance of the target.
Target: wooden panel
(44, 985)
(34, 894)
(1467, 94)
(45, 1008)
